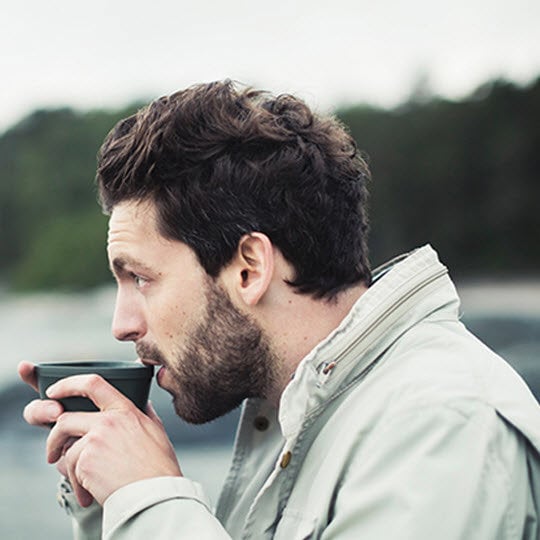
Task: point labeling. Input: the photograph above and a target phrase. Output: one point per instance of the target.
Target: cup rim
(109, 369)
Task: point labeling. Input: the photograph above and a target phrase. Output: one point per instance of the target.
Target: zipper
(375, 323)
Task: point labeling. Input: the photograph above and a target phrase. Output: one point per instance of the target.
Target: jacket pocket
(295, 525)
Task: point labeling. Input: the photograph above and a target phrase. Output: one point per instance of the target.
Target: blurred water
(47, 327)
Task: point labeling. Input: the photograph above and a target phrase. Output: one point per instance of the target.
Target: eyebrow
(118, 265)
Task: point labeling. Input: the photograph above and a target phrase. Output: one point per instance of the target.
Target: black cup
(130, 378)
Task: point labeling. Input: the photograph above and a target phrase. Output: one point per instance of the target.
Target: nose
(129, 323)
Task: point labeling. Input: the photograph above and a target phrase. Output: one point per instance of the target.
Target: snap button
(285, 460)
(261, 423)
(61, 500)
(63, 503)
(64, 489)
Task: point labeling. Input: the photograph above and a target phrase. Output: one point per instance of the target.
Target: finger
(61, 466)
(83, 496)
(72, 456)
(91, 386)
(61, 463)
(42, 412)
(27, 373)
(68, 426)
(69, 443)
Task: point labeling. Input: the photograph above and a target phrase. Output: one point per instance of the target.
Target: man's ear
(253, 267)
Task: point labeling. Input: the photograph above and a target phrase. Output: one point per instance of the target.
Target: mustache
(150, 352)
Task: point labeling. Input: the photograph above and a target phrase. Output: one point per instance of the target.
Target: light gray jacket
(400, 425)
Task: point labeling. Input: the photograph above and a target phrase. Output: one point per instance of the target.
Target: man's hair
(220, 160)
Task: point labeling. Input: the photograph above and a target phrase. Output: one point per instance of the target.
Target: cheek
(171, 324)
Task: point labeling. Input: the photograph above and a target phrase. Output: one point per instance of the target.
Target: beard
(224, 360)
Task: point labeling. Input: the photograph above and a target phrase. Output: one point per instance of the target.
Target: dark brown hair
(220, 161)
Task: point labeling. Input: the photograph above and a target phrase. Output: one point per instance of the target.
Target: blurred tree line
(463, 176)
(52, 230)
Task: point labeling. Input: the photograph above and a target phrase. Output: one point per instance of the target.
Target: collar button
(285, 460)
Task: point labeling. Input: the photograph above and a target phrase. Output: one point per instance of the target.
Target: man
(237, 237)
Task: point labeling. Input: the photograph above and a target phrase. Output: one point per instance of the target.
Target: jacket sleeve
(435, 472)
(166, 507)
(86, 522)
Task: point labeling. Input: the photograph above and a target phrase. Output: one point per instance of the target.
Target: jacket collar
(404, 292)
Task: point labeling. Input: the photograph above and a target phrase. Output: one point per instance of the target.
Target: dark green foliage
(67, 252)
(52, 233)
(464, 176)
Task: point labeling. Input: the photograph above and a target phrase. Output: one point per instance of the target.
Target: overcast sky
(106, 53)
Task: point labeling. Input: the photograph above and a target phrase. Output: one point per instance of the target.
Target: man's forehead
(134, 210)
(133, 228)
(132, 216)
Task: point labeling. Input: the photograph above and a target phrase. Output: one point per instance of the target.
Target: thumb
(27, 373)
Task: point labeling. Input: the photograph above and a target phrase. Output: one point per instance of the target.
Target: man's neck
(302, 324)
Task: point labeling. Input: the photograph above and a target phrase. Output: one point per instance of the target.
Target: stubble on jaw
(225, 359)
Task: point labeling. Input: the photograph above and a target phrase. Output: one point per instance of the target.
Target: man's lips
(160, 375)
(149, 362)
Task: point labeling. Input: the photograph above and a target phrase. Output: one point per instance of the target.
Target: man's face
(212, 354)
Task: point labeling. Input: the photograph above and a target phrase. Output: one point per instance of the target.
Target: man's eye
(139, 281)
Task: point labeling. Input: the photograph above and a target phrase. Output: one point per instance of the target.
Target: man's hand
(100, 451)
(114, 447)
